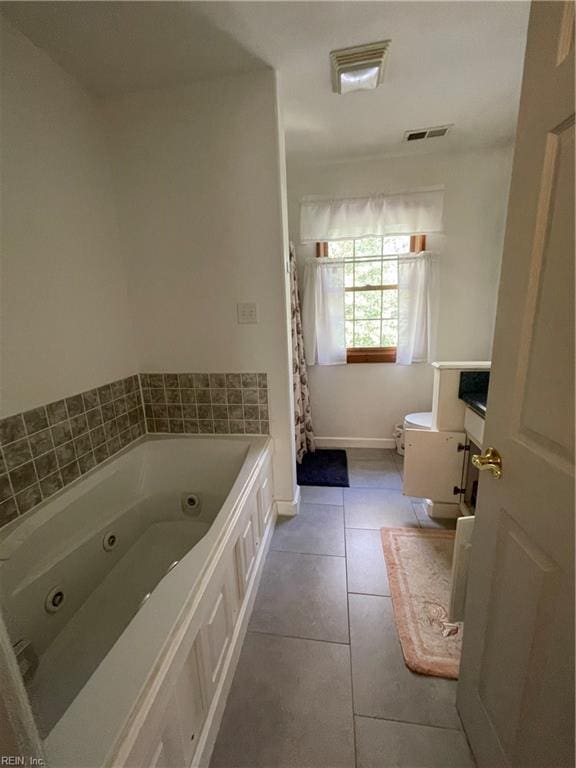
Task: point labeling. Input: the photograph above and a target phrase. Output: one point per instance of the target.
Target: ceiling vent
(427, 133)
(360, 68)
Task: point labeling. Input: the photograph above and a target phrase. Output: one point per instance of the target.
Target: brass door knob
(490, 460)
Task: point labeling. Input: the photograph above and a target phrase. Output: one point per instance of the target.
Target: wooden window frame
(374, 354)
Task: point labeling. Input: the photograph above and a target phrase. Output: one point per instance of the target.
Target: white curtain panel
(410, 213)
(417, 308)
(323, 312)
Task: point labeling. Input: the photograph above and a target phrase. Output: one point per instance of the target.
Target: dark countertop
(473, 390)
(476, 401)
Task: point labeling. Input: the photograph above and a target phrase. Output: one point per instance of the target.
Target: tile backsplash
(206, 403)
(46, 448)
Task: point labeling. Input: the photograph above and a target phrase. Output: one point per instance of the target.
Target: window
(371, 293)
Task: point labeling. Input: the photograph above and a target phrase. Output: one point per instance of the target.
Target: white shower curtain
(323, 312)
(417, 310)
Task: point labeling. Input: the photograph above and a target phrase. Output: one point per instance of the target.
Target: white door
(515, 693)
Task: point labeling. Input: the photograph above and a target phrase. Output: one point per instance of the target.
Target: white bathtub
(168, 602)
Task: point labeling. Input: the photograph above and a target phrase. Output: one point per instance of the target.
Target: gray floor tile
(365, 562)
(315, 494)
(386, 744)
(302, 596)
(317, 529)
(290, 706)
(383, 685)
(425, 521)
(374, 474)
(376, 508)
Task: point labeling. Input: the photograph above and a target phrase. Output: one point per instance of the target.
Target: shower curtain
(302, 413)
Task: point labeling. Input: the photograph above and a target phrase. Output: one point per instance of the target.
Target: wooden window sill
(371, 355)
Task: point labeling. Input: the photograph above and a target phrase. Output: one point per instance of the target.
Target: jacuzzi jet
(109, 541)
(190, 503)
(54, 600)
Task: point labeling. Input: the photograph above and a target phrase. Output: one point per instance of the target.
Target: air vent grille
(427, 133)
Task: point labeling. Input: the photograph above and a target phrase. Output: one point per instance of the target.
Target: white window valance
(409, 213)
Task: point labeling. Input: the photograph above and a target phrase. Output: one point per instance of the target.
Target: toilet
(421, 420)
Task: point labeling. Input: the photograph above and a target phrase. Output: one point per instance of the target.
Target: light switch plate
(247, 312)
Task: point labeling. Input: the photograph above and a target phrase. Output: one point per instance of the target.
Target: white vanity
(436, 461)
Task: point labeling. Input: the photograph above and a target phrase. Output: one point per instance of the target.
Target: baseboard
(289, 508)
(214, 717)
(438, 510)
(355, 442)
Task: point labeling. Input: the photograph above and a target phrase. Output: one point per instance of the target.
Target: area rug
(324, 467)
(419, 566)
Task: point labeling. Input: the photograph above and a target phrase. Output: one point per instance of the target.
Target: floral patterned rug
(419, 567)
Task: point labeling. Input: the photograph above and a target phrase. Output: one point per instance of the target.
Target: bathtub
(127, 597)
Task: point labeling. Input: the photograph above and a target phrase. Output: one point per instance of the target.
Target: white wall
(199, 172)
(65, 325)
(365, 401)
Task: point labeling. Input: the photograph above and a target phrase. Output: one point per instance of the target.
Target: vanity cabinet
(437, 466)
(434, 464)
(474, 426)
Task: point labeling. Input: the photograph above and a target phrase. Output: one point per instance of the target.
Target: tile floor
(321, 682)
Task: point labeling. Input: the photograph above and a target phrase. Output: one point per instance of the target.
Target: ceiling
(449, 62)
(118, 47)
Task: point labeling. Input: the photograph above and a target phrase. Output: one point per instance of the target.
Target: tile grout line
(399, 525)
(319, 503)
(355, 715)
(354, 745)
(312, 554)
(297, 637)
(410, 722)
(29, 434)
(119, 395)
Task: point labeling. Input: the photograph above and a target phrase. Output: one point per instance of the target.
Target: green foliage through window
(371, 308)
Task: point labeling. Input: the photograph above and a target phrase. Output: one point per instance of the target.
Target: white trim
(289, 508)
(213, 720)
(355, 442)
(463, 365)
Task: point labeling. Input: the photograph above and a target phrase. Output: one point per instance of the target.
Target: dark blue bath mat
(327, 467)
